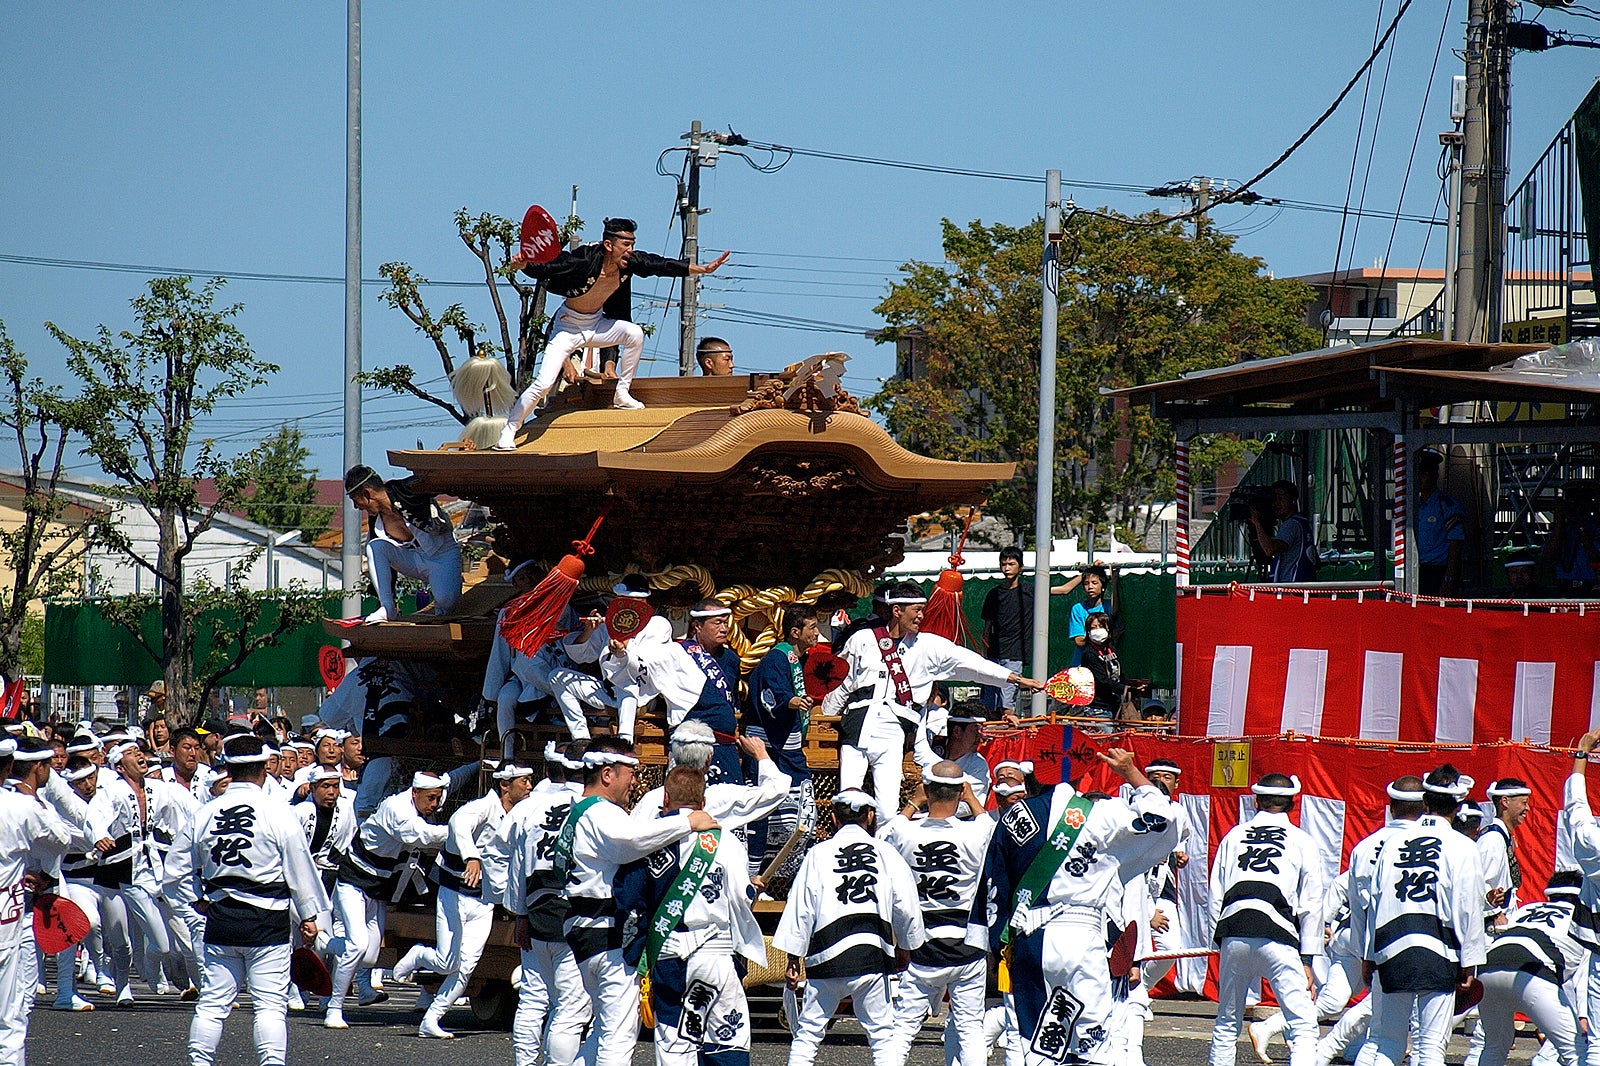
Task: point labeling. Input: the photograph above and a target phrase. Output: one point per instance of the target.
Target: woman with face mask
(1101, 660)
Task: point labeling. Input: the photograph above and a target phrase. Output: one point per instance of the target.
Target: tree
(283, 487)
(492, 240)
(45, 549)
(1139, 301)
(141, 392)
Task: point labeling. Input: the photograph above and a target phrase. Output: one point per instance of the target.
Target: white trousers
(88, 901)
(1544, 1002)
(922, 990)
(552, 1007)
(441, 573)
(19, 976)
(362, 919)
(1391, 1020)
(569, 331)
(610, 984)
(1243, 962)
(885, 760)
(573, 691)
(144, 911)
(1072, 1018)
(265, 971)
(869, 996)
(999, 1026)
(461, 929)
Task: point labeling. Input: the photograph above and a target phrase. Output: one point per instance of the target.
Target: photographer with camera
(1290, 545)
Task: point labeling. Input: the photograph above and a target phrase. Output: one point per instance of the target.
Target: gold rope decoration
(744, 600)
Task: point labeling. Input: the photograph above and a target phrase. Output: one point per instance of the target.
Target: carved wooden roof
(761, 479)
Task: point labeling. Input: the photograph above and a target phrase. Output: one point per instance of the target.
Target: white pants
(362, 919)
(441, 573)
(999, 1026)
(611, 986)
(88, 901)
(1061, 985)
(1342, 977)
(569, 331)
(573, 691)
(1391, 1020)
(869, 995)
(143, 910)
(881, 750)
(265, 970)
(1543, 1001)
(19, 975)
(461, 929)
(552, 1007)
(922, 990)
(1243, 962)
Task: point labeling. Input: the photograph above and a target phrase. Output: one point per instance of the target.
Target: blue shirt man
(1441, 531)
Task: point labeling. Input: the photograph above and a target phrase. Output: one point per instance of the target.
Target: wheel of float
(495, 1004)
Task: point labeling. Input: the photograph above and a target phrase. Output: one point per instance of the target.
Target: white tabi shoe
(407, 965)
(508, 439)
(380, 615)
(431, 1028)
(624, 400)
(335, 1020)
(1260, 1037)
(76, 1003)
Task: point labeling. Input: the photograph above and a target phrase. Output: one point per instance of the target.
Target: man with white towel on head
(1266, 901)
(1419, 921)
(372, 871)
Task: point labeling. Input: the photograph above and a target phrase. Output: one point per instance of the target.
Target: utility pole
(1480, 257)
(1199, 191)
(350, 540)
(1044, 489)
(689, 210)
(573, 243)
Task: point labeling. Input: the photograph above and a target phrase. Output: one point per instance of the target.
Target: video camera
(1247, 500)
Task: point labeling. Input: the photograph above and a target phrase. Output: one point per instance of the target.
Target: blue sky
(208, 136)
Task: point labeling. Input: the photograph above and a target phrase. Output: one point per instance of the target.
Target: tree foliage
(519, 318)
(45, 548)
(141, 391)
(283, 486)
(1139, 301)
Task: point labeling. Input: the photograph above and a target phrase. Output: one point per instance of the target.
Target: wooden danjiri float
(758, 490)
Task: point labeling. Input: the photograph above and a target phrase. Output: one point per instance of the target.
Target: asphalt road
(156, 1031)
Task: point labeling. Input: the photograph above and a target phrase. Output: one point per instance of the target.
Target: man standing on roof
(408, 533)
(596, 312)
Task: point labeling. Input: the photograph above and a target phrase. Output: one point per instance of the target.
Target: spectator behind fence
(1574, 544)
(1441, 530)
(1290, 544)
(1007, 626)
(1100, 658)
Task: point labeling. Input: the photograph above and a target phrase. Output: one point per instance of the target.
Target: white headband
(1005, 788)
(1023, 768)
(246, 760)
(1403, 794)
(116, 755)
(1469, 810)
(511, 771)
(325, 773)
(1292, 789)
(1161, 766)
(307, 745)
(619, 589)
(81, 772)
(35, 756)
(1497, 792)
(608, 758)
(931, 778)
(553, 754)
(336, 734)
(904, 599)
(422, 780)
(853, 798)
(1458, 790)
(83, 743)
(711, 612)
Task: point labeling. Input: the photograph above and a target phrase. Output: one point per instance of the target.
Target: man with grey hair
(731, 805)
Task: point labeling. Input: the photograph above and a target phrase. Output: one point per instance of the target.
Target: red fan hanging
(943, 616)
(530, 619)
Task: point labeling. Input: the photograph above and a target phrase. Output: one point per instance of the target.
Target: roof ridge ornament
(815, 385)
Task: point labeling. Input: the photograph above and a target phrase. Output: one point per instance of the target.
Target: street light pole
(1044, 496)
(350, 540)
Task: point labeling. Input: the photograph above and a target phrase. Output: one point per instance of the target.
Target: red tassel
(530, 619)
(943, 616)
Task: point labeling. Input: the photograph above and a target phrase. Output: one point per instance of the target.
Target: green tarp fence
(83, 647)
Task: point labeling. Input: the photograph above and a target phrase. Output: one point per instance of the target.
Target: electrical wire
(1355, 161)
(1405, 181)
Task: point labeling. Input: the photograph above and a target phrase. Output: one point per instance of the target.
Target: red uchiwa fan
(531, 618)
(943, 616)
